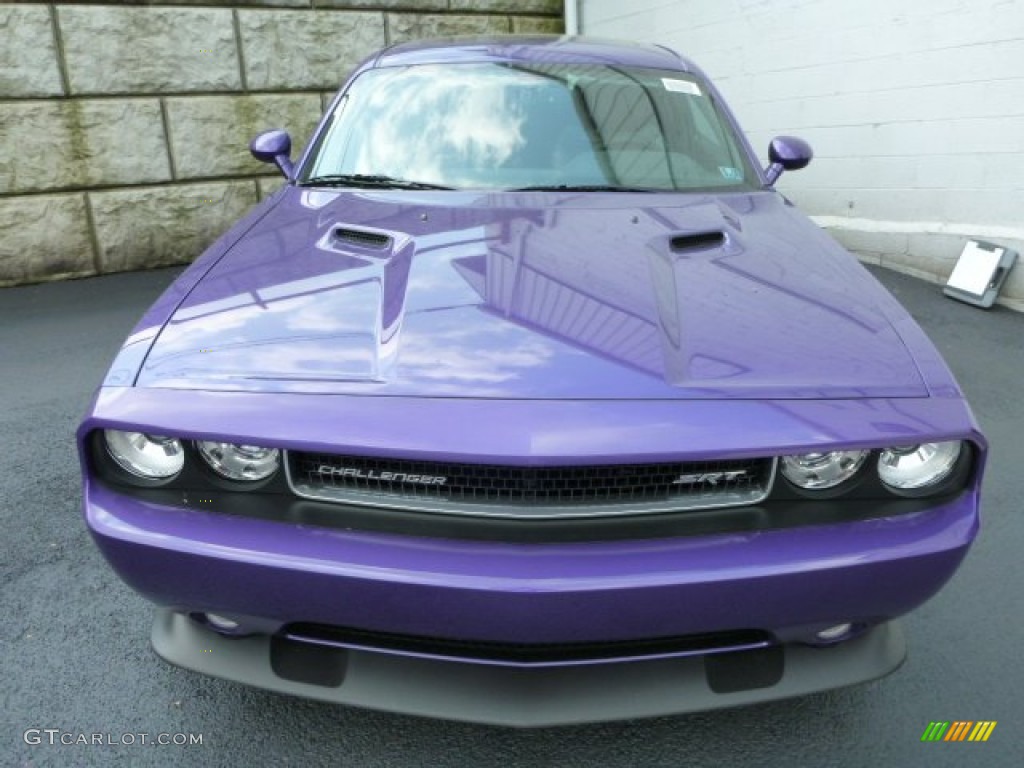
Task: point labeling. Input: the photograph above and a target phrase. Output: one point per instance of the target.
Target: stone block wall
(124, 126)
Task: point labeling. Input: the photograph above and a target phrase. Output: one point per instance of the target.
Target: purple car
(529, 400)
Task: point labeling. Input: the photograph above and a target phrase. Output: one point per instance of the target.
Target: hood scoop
(697, 241)
(365, 238)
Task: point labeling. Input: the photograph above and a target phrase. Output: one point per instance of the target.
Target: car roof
(532, 48)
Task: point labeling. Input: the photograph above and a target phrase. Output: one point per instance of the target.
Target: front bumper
(789, 582)
(535, 697)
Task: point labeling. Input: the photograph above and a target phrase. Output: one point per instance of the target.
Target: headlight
(818, 471)
(151, 457)
(240, 462)
(915, 467)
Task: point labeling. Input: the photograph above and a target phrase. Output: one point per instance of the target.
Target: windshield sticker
(730, 173)
(680, 86)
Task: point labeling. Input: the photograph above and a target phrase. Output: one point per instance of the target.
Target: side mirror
(274, 147)
(787, 153)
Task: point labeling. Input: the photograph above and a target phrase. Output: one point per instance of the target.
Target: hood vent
(362, 237)
(698, 241)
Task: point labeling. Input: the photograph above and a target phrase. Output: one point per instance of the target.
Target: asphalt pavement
(74, 641)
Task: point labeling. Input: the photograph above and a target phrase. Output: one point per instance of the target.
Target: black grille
(376, 480)
(530, 653)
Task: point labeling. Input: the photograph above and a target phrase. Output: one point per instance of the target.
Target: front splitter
(535, 697)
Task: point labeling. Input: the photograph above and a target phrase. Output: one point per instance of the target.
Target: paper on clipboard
(973, 271)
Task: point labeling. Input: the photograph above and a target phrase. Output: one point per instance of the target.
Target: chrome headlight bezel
(823, 472)
(933, 468)
(242, 464)
(141, 458)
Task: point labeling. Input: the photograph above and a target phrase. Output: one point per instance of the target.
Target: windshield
(536, 126)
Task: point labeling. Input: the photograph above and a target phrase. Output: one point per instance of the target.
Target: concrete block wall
(124, 126)
(915, 110)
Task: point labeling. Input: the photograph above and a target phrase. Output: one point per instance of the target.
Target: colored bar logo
(959, 730)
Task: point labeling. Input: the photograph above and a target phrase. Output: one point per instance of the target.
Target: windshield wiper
(367, 180)
(582, 188)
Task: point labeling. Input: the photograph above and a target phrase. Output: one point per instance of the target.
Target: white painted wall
(915, 110)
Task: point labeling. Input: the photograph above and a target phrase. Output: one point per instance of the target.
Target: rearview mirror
(274, 147)
(786, 153)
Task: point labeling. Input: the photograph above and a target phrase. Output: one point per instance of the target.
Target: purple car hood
(536, 296)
